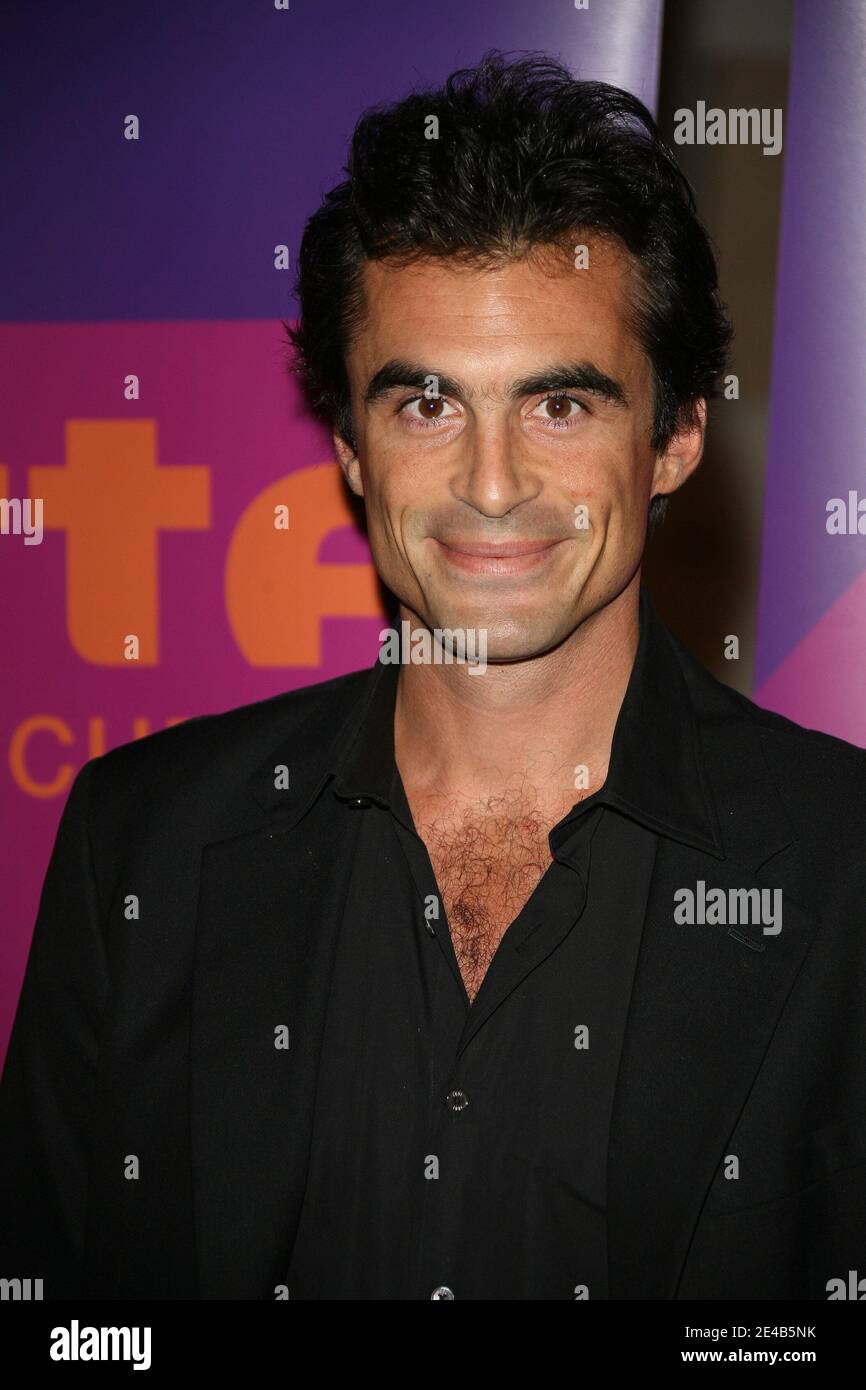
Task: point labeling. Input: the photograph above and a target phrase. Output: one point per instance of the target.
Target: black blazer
(140, 1039)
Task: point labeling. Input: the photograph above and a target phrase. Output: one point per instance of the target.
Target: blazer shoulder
(817, 774)
(797, 745)
(820, 776)
(233, 740)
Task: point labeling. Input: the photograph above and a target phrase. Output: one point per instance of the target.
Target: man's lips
(490, 557)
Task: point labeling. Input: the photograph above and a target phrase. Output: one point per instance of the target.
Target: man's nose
(493, 475)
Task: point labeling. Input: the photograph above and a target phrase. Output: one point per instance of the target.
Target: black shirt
(459, 1150)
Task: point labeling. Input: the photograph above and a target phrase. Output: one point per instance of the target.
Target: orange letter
(276, 590)
(111, 499)
(18, 748)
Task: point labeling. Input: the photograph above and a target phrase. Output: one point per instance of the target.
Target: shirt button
(443, 1291)
(359, 801)
(457, 1100)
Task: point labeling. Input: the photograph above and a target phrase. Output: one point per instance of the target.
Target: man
(536, 976)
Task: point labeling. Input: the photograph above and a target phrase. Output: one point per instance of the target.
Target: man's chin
(502, 645)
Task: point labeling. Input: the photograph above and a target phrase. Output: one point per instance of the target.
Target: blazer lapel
(270, 909)
(705, 1002)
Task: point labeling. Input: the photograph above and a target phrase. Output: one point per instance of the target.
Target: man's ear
(683, 454)
(348, 461)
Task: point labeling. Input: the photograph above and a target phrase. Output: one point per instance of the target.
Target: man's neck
(534, 723)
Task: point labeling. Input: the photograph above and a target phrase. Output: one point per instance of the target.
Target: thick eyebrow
(560, 376)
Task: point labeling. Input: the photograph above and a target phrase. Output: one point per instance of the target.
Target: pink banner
(190, 502)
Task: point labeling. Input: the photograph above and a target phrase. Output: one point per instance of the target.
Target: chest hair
(487, 861)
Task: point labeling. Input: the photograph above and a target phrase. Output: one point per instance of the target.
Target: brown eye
(558, 407)
(424, 412)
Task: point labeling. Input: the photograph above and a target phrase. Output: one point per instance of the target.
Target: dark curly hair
(526, 157)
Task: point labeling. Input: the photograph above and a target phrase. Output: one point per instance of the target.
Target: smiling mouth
(486, 557)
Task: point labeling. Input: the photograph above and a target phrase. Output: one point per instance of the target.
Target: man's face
(538, 441)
